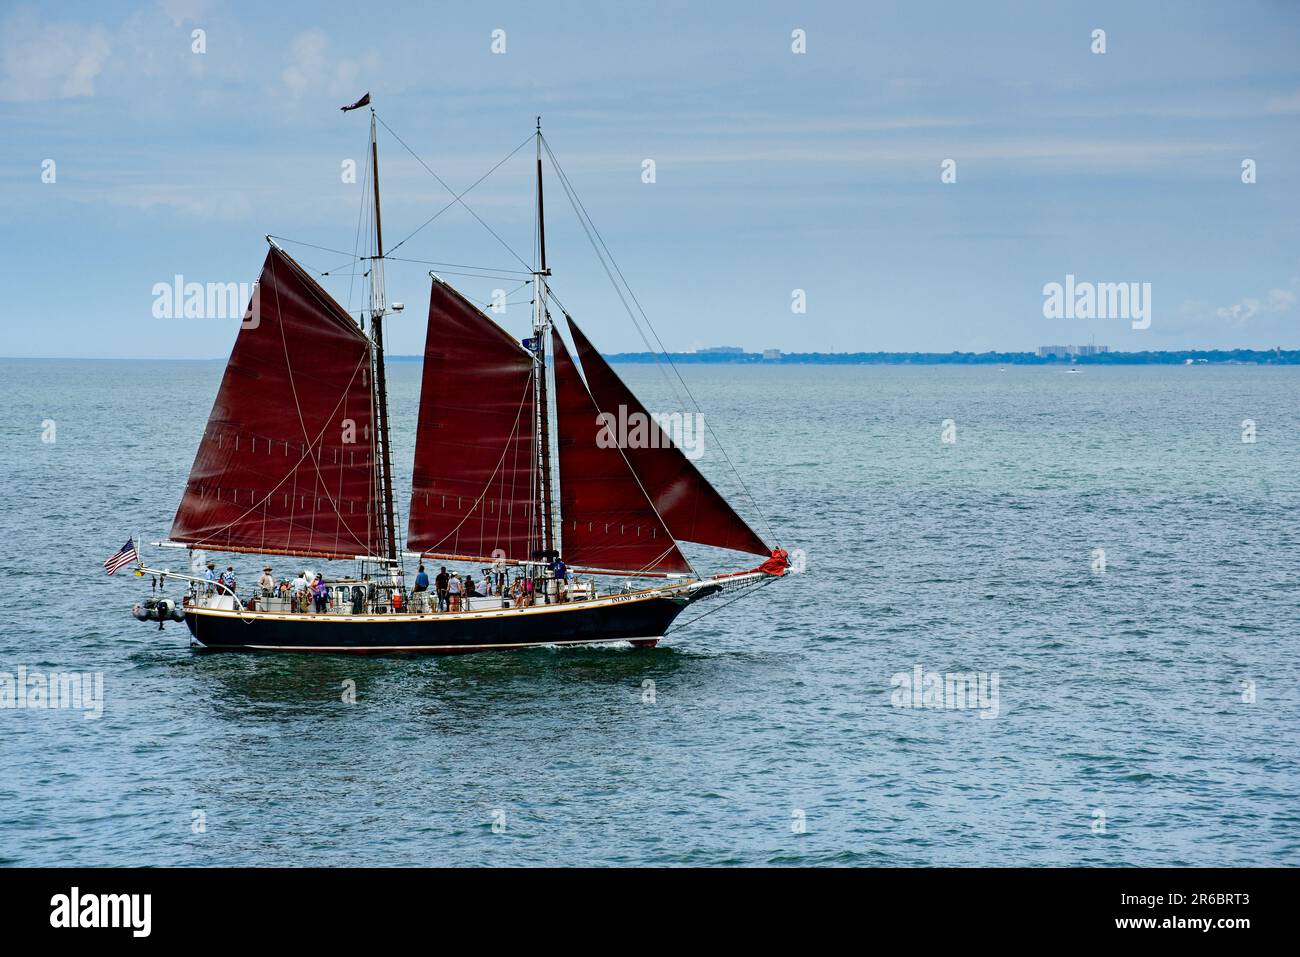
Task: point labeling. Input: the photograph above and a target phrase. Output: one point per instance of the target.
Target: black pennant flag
(364, 101)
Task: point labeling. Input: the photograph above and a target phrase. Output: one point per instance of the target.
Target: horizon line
(722, 358)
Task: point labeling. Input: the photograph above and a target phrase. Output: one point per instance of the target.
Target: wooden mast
(541, 335)
(377, 309)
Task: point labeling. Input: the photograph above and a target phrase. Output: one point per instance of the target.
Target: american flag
(122, 557)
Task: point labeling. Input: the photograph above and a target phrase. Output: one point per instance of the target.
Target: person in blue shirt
(421, 579)
(560, 569)
(212, 578)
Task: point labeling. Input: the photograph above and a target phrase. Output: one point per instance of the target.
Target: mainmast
(378, 308)
(541, 337)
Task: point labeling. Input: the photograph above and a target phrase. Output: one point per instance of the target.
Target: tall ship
(519, 472)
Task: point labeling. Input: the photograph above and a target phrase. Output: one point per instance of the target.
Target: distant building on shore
(1070, 352)
(771, 355)
(721, 351)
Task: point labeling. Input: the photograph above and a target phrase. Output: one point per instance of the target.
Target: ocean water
(1145, 714)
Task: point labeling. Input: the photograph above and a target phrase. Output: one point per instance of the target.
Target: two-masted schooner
(511, 473)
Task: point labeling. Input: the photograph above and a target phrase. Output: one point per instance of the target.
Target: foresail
(608, 522)
(689, 505)
(286, 461)
(475, 478)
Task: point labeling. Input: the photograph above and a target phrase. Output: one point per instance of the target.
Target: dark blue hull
(640, 620)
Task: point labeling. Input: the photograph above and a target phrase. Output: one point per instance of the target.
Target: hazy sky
(775, 171)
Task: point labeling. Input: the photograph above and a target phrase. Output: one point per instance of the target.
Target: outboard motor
(163, 610)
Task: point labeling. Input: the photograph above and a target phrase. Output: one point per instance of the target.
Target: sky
(774, 170)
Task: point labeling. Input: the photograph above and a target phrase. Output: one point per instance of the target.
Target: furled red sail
(474, 485)
(607, 520)
(690, 507)
(286, 462)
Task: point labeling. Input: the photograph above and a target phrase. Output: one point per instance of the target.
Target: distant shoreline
(1177, 357)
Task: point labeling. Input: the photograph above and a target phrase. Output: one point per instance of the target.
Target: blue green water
(1159, 698)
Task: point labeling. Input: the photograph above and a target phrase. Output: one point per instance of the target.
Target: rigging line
(741, 592)
(507, 297)
(672, 541)
(505, 244)
(466, 192)
(475, 275)
(572, 193)
(514, 430)
(311, 443)
(328, 249)
(431, 262)
(293, 473)
(361, 212)
(672, 544)
(333, 270)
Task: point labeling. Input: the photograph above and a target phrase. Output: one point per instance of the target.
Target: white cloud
(1276, 301)
(1285, 104)
(47, 60)
(308, 63)
(183, 11)
(312, 68)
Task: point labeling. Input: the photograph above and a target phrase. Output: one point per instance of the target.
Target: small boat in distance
(514, 469)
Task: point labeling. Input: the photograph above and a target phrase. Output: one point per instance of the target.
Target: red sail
(474, 485)
(286, 462)
(607, 520)
(690, 507)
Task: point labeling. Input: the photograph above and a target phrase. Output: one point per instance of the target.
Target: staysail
(286, 463)
(688, 504)
(608, 522)
(475, 480)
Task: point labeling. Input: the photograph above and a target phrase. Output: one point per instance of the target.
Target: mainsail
(608, 522)
(474, 486)
(286, 463)
(690, 506)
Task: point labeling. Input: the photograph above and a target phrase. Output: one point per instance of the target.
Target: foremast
(384, 516)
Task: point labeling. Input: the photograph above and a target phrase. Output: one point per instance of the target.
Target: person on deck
(440, 583)
(561, 573)
(321, 593)
(499, 572)
(471, 589)
(454, 589)
(300, 590)
(517, 592)
(420, 593)
(266, 583)
(212, 578)
(529, 590)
